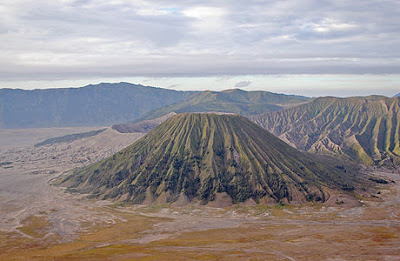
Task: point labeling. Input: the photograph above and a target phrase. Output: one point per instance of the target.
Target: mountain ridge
(231, 101)
(93, 105)
(365, 129)
(114, 103)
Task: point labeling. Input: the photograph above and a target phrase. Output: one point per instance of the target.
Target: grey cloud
(85, 38)
(242, 84)
(114, 23)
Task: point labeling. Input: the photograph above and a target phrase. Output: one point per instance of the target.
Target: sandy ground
(17, 138)
(77, 228)
(24, 183)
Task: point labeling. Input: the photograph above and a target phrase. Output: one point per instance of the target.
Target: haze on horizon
(306, 47)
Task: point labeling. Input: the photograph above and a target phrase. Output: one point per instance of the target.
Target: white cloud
(204, 12)
(154, 11)
(329, 25)
(207, 19)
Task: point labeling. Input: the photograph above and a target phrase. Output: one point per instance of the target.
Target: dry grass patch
(35, 226)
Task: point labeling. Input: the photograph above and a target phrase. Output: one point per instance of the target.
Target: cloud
(242, 84)
(173, 86)
(85, 38)
(206, 19)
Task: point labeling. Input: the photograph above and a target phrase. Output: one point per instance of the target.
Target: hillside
(93, 105)
(69, 138)
(231, 101)
(366, 129)
(209, 158)
(142, 126)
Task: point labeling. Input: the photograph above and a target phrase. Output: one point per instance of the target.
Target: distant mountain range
(365, 129)
(105, 104)
(210, 158)
(93, 105)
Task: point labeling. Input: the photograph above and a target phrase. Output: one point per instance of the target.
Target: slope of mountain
(93, 105)
(208, 158)
(232, 101)
(365, 129)
(69, 138)
(142, 126)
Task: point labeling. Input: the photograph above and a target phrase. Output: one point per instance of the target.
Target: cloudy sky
(317, 47)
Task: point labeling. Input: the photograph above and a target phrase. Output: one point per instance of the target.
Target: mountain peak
(205, 157)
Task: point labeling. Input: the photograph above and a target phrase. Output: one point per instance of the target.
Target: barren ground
(41, 222)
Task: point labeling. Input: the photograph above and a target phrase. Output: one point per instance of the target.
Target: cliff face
(365, 129)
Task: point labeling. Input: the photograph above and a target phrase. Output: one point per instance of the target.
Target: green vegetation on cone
(200, 156)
